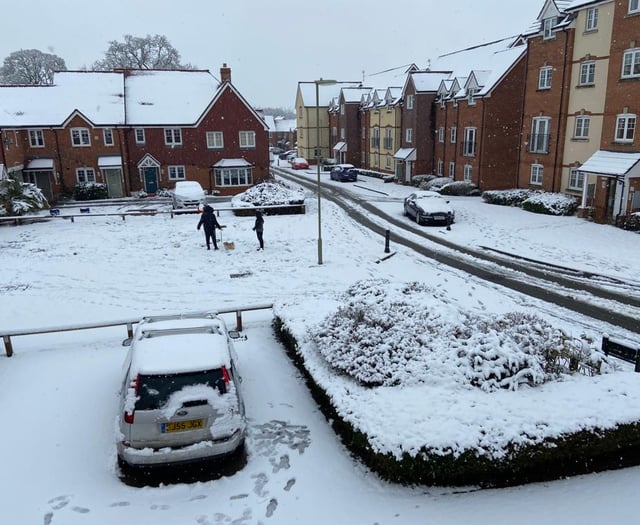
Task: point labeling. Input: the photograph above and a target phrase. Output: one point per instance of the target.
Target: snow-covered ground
(59, 391)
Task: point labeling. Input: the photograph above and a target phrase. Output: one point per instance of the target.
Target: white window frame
(80, 137)
(233, 177)
(544, 77)
(471, 100)
(581, 130)
(454, 135)
(85, 175)
(591, 22)
(441, 134)
(587, 73)
(176, 172)
(215, 140)
(36, 138)
(440, 168)
(107, 136)
(547, 28)
(247, 139)
(342, 109)
(576, 179)
(625, 128)
(536, 175)
(172, 137)
(467, 172)
(631, 63)
(409, 101)
(388, 162)
(342, 133)
(140, 136)
(469, 144)
(408, 136)
(540, 141)
(452, 169)
(634, 6)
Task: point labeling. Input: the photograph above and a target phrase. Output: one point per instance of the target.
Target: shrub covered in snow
(507, 197)
(402, 335)
(460, 188)
(89, 191)
(551, 204)
(18, 198)
(269, 193)
(435, 184)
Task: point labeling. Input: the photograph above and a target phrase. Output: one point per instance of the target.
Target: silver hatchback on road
(180, 399)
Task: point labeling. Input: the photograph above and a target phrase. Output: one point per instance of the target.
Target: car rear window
(155, 390)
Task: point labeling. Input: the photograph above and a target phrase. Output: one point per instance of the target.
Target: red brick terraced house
(133, 130)
(345, 125)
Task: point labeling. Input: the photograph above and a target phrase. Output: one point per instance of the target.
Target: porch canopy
(405, 154)
(610, 163)
(232, 163)
(110, 161)
(340, 147)
(39, 165)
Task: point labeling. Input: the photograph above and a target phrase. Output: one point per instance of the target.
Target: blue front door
(150, 179)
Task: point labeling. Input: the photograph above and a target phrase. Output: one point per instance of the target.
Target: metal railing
(8, 344)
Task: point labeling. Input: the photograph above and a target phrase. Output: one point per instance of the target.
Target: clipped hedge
(573, 454)
(90, 191)
(507, 197)
(460, 189)
(551, 204)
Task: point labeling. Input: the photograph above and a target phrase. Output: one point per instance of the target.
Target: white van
(180, 399)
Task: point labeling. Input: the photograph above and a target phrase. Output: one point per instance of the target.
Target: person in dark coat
(210, 223)
(259, 228)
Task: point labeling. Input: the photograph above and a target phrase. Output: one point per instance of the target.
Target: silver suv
(180, 399)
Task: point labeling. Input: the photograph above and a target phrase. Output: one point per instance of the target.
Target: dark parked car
(428, 207)
(344, 173)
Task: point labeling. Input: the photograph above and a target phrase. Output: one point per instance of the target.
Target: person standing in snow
(210, 223)
(259, 228)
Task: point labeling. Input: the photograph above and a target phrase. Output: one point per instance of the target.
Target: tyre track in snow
(534, 284)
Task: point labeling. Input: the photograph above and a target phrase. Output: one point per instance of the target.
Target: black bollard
(386, 241)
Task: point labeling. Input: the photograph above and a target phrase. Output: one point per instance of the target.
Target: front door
(42, 179)
(113, 178)
(150, 176)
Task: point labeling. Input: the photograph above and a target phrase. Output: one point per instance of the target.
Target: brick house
(134, 131)
(345, 125)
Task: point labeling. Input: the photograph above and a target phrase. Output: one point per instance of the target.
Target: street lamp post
(318, 156)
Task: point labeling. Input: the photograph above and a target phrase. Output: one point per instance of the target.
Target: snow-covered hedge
(533, 200)
(402, 335)
(270, 193)
(18, 198)
(460, 188)
(89, 191)
(507, 197)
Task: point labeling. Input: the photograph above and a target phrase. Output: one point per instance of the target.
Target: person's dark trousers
(259, 234)
(211, 237)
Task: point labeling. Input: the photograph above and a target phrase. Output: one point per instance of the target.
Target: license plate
(438, 217)
(182, 426)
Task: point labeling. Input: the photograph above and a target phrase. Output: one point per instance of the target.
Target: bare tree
(151, 52)
(30, 66)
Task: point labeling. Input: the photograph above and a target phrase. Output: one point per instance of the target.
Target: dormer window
(547, 27)
(472, 96)
(409, 101)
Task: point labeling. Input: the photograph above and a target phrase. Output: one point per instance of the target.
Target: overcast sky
(269, 45)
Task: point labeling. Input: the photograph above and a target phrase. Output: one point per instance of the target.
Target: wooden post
(239, 321)
(7, 346)
(129, 330)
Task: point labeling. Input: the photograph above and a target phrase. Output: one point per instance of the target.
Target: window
(85, 175)
(409, 101)
(388, 162)
(469, 144)
(247, 139)
(375, 138)
(631, 63)
(472, 97)
(536, 174)
(233, 177)
(80, 137)
(342, 109)
(140, 139)
(539, 142)
(36, 138)
(452, 170)
(215, 140)
(107, 135)
(634, 6)
(625, 127)
(587, 73)
(454, 135)
(440, 134)
(544, 77)
(176, 172)
(440, 167)
(576, 179)
(442, 102)
(547, 26)
(173, 136)
(582, 128)
(342, 134)
(592, 19)
(388, 138)
(468, 172)
(409, 135)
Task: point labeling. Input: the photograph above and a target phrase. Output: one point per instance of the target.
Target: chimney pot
(225, 73)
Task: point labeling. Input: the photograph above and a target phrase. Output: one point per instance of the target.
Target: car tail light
(225, 375)
(128, 416)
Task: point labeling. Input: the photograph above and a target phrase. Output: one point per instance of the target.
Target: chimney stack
(225, 73)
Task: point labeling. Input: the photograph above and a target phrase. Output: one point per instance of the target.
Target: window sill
(630, 79)
(543, 89)
(582, 86)
(579, 139)
(587, 32)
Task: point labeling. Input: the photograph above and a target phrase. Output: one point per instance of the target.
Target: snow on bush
(268, 194)
(551, 204)
(90, 191)
(507, 197)
(460, 188)
(406, 334)
(18, 198)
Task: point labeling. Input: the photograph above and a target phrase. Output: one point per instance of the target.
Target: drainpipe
(484, 109)
(4, 159)
(55, 134)
(524, 98)
(563, 110)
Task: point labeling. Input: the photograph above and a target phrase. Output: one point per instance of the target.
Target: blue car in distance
(344, 173)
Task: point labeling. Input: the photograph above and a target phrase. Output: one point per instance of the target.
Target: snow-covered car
(180, 398)
(344, 173)
(329, 164)
(188, 194)
(298, 163)
(429, 207)
(288, 154)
